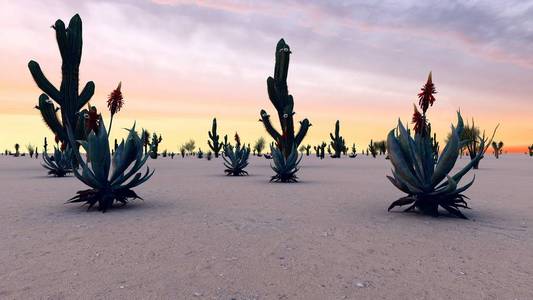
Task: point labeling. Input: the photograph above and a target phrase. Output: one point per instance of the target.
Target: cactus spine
(337, 142)
(213, 136)
(68, 96)
(284, 104)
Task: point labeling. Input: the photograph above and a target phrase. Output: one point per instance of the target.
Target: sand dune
(202, 235)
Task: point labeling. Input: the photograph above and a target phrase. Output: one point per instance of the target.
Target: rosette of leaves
(110, 178)
(285, 168)
(60, 164)
(235, 159)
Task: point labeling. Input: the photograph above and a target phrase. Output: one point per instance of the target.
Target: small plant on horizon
(189, 146)
(354, 151)
(60, 164)
(498, 148)
(372, 149)
(337, 142)
(154, 145)
(31, 150)
(259, 146)
(285, 168)
(182, 151)
(164, 153)
(213, 141)
(17, 148)
(284, 104)
(236, 158)
(530, 150)
(209, 155)
(200, 154)
(114, 103)
(415, 171)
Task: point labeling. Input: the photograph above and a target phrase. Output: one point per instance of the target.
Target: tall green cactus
(68, 97)
(337, 142)
(284, 104)
(213, 136)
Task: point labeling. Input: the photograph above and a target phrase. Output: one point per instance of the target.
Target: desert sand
(201, 235)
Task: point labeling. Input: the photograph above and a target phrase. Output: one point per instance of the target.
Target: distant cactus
(154, 145)
(31, 150)
(68, 96)
(498, 148)
(337, 142)
(146, 140)
(284, 104)
(213, 136)
(209, 155)
(172, 154)
(17, 153)
(307, 150)
(530, 150)
(354, 151)
(164, 153)
(200, 154)
(372, 149)
(259, 146)
(322, 148)
(182, 151)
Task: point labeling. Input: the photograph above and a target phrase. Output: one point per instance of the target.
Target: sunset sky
(183, 62)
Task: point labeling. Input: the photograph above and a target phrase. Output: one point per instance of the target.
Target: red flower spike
(419, 120)
(93, 119)
(115, 100)
(237, 139)
(425, 97)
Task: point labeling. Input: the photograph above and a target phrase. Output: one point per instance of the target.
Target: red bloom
(426, 98)
(115, 100)
(92, 120)
(237, 139)
(419, 120)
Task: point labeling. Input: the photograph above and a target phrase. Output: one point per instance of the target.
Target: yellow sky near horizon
(183, 64)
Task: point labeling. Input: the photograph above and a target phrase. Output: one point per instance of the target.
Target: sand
(202, 235)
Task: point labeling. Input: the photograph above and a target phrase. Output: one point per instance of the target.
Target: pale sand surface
(202, 235)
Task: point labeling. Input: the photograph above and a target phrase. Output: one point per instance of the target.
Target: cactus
(498, 148)
(213, 136)
(209, 155)
(285, 168)
(200, 154)
(68, 96)
(146, 140)
(307, 150)
(60, 164)
(415, 171)
(17, 153)
(259, 146)
(182, 151)
(354, 151)
(164, 153)
(236, 158)
(154, 145)
(337, 142)
(31, 150)
(530, 150)
(380, 147)
(284, 104)
(372, 149)
(172, 154)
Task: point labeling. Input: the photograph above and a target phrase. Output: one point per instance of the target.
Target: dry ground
(202, 235)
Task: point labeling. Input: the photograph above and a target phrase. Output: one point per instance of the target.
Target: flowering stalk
(425, 100)
(114, 103)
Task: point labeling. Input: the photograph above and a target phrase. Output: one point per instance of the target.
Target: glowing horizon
(182, 63)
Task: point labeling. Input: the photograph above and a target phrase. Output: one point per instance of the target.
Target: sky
(183, 62)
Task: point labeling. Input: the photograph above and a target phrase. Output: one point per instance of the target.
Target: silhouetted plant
(67, 96)
(284, 104)
(337, 142)
(372, 149)
(498, 148)
(471, 140)
(236, 158)
(380, 147)
(426, 182)
(259, 146)
(189, 146)
(60, 164)
(209, 155)
(285, 168)
(114, 103)
(154, 145)
(17, 148)
(354, 151)
(31, 150)
(530, 150)
(200, 153)
(214, 137)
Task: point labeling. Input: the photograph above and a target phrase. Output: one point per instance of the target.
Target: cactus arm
(86, 94)
(304, 127)
(42, 82)
(265, 118)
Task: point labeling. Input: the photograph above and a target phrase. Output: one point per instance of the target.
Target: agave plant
(285, 168)
(416, 173)
(60, 164)
(111, 178)
(236, 158)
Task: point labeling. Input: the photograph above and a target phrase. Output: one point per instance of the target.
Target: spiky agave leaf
(427, 183)
(235, 160)
(60, 164)
(285, 168)
(123, 166)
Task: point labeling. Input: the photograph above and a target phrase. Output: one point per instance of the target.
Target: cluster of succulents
(236, 158)
(427, 182)
(110, 177)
